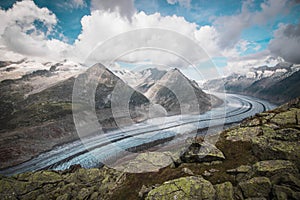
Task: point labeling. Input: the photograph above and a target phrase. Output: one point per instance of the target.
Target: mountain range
(277, 84)
(36, 102)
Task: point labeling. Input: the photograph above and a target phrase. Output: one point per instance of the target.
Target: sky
(233, 34)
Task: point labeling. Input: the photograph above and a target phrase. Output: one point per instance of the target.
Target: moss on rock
(224, 191)
(184, 188)
(256, 187)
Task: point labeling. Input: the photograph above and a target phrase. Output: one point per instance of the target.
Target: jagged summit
(176, 93)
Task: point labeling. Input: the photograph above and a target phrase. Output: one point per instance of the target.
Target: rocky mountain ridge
(170, 89)
(277, 84)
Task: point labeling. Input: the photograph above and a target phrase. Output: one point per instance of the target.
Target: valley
(106, 148)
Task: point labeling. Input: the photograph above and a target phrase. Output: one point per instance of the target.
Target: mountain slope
(280, 91)
(277, 84)
(141, 80)
(151, 76)
(177, 94)
(31, 124)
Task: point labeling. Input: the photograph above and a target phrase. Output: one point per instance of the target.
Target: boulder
(256, 187)
(288, 179)
(277, 144)
(271, 167)
(203, 152)
(224, 191)
(192, 187)
(283, 192)
(285, 118)
(244, 134)
(147, 162)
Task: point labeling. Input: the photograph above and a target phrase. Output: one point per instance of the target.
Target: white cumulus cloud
(286, 42)
(21, 36)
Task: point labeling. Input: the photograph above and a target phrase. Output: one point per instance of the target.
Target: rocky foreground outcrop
(259, 159)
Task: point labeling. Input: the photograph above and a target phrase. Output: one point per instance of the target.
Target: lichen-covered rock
(80, 184)
(147, 162)
(203, 152)
(184, 188)
(285, 118)
(256, 187)
(277, 144)
(243, 134)
(46, 177)
(224, 191)
(273, 135)
(272, 167)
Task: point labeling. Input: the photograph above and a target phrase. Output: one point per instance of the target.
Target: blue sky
(201, 12)
(232, 32)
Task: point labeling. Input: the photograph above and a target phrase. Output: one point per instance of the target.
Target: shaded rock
(256, 187)
(64, 197)
(284, 192)
(84, 193)
(144, 191)
(287, 179)
(238, 193)
(272, 167)
(184, 188)
(95, 195)
(224, 191)
(204, 152)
